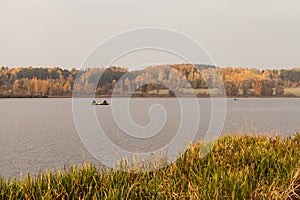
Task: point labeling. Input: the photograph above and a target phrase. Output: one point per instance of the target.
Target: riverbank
(140, 97)
(24, 96)
(238, 167)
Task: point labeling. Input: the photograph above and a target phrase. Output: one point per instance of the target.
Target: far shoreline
(143, 97)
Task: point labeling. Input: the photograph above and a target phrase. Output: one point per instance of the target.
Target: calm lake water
(40, 133)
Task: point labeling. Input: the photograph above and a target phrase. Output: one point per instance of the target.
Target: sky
(237, 33)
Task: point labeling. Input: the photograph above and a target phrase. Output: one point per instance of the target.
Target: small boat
(104, 103)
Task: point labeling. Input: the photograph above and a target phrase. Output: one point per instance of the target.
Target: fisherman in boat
(98, 103)
(105, 102)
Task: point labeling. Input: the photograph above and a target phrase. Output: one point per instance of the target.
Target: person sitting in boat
(94, 102)
(104, 102)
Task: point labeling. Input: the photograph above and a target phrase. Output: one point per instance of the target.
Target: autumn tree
(267, 87)
(16, 87)
(230, 88)
(258, 87)
(66, 88)
(44, 87)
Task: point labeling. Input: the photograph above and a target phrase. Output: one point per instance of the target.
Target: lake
(40, 133)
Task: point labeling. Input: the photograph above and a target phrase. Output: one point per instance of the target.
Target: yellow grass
(293, 91)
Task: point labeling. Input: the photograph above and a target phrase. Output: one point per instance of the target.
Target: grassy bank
(22, 96)
(238, 167)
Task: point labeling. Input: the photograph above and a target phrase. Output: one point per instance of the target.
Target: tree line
(160, 80)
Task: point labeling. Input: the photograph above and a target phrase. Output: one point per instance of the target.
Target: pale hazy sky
(253, 33)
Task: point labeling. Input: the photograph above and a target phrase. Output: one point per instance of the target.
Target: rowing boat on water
(104, 103)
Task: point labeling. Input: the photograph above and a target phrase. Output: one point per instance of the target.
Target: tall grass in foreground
(238, 167)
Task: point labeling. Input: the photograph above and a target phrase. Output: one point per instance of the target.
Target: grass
(238, 167)
(293, 91)
(214, 91)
